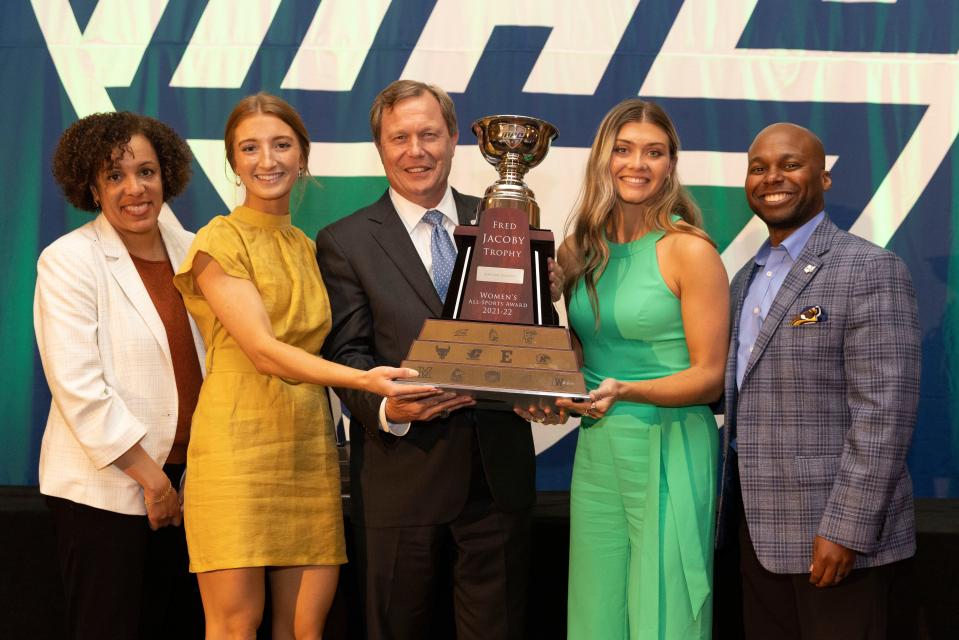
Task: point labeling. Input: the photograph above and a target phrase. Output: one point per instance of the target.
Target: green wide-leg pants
(642, 508)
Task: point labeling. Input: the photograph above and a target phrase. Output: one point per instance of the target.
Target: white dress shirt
(411, 214)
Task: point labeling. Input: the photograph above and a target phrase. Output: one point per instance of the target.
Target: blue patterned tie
(442, 251)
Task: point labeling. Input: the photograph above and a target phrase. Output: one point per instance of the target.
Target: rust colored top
(157, 277)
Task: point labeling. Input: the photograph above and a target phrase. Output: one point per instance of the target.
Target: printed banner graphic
(878, 81)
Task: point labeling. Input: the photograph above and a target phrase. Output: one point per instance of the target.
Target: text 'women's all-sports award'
(498, 340)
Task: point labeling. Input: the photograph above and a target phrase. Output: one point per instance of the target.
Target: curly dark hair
(89, 144)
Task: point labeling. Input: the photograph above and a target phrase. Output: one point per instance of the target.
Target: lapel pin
(809, 268)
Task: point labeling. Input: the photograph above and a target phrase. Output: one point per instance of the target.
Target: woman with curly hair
(648, 300)
(123, 361)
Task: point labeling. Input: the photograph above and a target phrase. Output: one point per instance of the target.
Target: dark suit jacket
(825, 413)
(380, 294)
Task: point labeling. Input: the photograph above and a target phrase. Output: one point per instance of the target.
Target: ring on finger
(445, 413)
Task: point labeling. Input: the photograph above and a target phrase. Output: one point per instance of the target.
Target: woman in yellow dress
(263, 493)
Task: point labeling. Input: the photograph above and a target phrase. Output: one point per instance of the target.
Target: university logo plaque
(498, 340)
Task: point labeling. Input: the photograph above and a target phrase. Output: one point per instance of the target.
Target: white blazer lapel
(128, 278)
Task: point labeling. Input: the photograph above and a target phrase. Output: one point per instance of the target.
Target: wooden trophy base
(501, 365)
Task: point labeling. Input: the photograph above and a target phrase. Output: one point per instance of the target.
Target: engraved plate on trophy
(498, 285)
(508, 335)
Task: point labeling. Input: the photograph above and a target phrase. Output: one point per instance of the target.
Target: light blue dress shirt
(774, 264)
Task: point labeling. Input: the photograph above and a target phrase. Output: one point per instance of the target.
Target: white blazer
(107, 361)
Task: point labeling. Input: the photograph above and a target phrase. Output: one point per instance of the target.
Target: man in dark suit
(438, 488)
(822, 384)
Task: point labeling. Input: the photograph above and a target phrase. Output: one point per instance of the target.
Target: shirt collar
(795, 243)
(411, 213)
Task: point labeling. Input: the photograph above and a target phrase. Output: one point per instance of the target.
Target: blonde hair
(588, 255)
(401, 90)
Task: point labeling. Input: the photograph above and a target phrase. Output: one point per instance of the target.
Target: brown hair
(403, 89)
(593, 217)
(268, 104)
(89, 144)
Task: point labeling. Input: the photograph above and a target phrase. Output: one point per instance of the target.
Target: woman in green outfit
(648, 300)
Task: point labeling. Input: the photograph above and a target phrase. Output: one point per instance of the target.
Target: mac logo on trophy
(501, 276)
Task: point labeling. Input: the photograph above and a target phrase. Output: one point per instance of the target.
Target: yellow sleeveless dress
(263, 484)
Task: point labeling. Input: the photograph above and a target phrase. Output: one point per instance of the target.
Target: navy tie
(442, 251)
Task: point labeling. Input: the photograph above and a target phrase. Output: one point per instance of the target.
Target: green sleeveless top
(640, 334)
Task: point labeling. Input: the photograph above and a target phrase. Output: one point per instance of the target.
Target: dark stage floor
(926, 594)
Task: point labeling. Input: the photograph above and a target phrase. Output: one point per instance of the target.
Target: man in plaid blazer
(822, 383)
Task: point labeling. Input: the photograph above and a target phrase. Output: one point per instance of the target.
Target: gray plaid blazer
(825, 413)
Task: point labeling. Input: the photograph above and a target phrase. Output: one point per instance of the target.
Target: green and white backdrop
(878, 80)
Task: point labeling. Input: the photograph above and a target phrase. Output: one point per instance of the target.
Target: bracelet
(161, 498)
